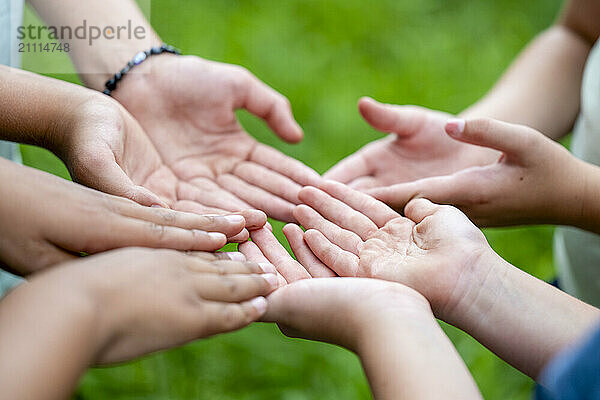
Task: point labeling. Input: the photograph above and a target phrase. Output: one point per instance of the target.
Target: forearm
(37, 110)
(542, 87)
(413, 359)
(111, 51)
(522, 319)
(46, 342)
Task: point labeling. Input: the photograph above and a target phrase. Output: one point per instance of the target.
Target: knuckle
(230, 286)
(231, 317)
(157, 231)
(167, 216)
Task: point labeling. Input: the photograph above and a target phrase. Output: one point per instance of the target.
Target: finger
(205, 255)
(314, 266)
(310, 219)
(418, 209)
(364, 182)
(274, 206)
(241, 237)
(197, 208)
(253, 253)
(377, 211)
(462, 189)
(232, 255)
(286, 166)
(349, 169)
(338, 212)
(343, 263)
(255, 219)
(233, 288)
(220, 255)
(128, 232)
(402, 120)
(230, 225)
(102, 172)
(272, 182)
(513, 140)
(221, 266)
(275, 109)
(290, 269)
(209, 194)
(219, 317)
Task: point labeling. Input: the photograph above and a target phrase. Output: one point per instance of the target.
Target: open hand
(435, 249)
(418, 148)
(187, 107)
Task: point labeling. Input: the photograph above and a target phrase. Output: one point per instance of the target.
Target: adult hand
(418, 148)
(535, 181)
(45, 220)
(187, 107)
(435, 250)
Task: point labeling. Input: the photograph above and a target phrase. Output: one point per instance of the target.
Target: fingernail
(236, 256)
(217, 236)
(271, 279)
(267, 268)
(455, 126)
(235, 219)
(260, 304)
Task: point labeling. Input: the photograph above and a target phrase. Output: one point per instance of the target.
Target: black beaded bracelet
(139, 58)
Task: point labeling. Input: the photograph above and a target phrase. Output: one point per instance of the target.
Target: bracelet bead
(139, 58)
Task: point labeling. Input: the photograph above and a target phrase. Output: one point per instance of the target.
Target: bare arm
(437, 251)
(70, 317)
(404, 352)
(98, 62)
(412, 358)
(542, 86)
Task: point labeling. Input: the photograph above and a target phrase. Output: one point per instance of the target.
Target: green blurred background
(324, 55)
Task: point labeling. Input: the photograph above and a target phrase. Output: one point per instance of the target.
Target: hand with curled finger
(118, 306)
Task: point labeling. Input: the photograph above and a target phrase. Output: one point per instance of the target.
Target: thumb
(275, 109)
(513, 140)
(460, 189)
(104, 174)
(387, 118)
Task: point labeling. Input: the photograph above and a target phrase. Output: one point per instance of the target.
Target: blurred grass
(324, 55)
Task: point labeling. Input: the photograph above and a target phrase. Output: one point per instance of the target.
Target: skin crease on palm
(355, 235)
(203, 160)
(418, 148)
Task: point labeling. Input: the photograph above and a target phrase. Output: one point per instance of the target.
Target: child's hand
(435, 250)
(331, 310)
(342, 310)
(265, 248)
(535, 180)
(148, 300)
(117, 306)
(45, 220)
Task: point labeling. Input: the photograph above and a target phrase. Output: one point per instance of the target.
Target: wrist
(475, 293)
(90, 113)
(144, 79)
(580, 205)
(394, 313)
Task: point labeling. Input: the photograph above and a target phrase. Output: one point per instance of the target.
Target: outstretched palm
(187, 107)
(418, 149)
